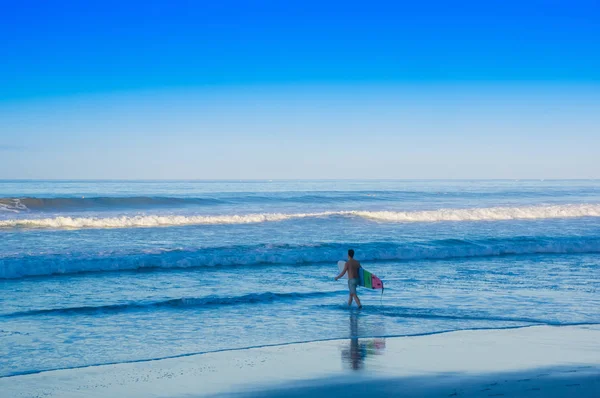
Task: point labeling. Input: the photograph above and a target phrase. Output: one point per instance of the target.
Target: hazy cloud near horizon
(310, 133)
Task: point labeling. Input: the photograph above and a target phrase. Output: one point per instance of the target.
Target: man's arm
(343, 272)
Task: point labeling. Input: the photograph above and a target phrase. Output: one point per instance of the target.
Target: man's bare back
(353, 267)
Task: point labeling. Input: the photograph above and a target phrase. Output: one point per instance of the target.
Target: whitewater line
(474, 214)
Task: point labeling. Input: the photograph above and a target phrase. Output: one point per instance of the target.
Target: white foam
(485, 214)
(150, 220)
(12, 205)
(475, 214)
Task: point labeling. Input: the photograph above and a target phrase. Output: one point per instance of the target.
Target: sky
(299, 89)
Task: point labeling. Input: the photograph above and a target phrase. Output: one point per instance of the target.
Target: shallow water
(104, 272)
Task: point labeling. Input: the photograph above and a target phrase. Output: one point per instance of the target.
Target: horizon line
(281, 179)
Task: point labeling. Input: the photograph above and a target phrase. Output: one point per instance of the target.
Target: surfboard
(365, 278)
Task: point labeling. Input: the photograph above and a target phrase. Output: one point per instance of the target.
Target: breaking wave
(82, 203)
(268, 254)
(152, 220)
(99, 203)
(473, 214)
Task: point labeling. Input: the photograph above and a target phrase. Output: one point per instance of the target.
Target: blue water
(107, 272)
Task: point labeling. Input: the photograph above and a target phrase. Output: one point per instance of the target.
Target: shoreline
(422, 365)
(191, 354)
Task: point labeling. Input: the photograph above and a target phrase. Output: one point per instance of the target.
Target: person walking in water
(351, 268)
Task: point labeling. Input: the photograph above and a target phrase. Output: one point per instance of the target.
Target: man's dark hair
(351, 253)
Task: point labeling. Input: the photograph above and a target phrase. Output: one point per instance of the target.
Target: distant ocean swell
(66, 204)
(82, 203)
(98, 203)
(264, 254)
(473, 214)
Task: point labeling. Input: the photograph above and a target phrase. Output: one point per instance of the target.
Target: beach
(299, 199)
(539, 361)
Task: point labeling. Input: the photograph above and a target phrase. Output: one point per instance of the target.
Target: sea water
(118, 271)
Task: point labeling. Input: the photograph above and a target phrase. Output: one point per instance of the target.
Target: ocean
(100, 272)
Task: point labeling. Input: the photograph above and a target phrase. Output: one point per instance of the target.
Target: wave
(99, 203)
(270, 297)
(473, 214)
(12, 205)
(66, 204)
(440, 313)
(185, 302)
(269, 254)
(152, 220)
(485, 214)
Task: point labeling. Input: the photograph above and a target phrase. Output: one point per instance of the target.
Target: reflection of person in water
(357, 353)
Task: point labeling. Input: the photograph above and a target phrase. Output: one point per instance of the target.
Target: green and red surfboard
(365, 278)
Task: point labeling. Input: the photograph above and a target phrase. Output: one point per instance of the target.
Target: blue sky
(278, 89)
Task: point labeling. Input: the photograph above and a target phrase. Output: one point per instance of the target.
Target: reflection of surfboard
(365, 278)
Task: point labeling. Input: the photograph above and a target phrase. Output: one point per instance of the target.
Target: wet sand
(540, 361)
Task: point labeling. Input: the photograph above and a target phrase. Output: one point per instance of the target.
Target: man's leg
(357, 300)
(350, 300)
